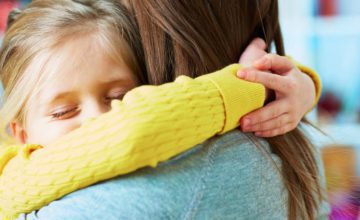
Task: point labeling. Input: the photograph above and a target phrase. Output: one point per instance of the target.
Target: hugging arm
(150, 125)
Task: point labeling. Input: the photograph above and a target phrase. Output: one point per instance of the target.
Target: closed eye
(118, 96)
(63, 114)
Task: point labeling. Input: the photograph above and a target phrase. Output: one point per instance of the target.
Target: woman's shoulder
(232, 176)
(225, 177)
(243, 180)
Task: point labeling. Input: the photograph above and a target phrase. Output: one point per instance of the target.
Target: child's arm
(150, 125)
(79, 163)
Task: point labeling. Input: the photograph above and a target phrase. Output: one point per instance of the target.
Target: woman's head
(62, 62)
(195, 37)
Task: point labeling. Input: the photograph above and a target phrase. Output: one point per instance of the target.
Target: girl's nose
(94, 109)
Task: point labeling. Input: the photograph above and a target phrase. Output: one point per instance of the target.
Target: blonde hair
(33, 33)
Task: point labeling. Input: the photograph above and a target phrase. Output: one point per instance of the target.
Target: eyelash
(108, 99)
(58, 115)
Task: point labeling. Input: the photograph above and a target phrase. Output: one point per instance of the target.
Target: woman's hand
(294, 92)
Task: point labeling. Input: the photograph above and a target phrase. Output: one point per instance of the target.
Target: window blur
(325, 35)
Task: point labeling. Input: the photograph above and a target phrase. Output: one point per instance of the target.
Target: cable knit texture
(151, 124)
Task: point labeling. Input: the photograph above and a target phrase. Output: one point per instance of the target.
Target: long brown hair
(196, 37)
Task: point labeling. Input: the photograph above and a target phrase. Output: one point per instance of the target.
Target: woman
(227, 189)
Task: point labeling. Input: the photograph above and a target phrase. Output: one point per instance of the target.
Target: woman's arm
(150, 125)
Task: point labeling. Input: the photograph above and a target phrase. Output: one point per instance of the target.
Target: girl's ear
(18, 132)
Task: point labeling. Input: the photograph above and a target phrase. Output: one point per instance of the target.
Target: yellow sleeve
(150, 125)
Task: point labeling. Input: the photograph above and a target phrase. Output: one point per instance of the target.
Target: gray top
(226, 177)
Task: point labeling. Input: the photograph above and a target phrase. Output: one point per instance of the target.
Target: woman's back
(227, 177)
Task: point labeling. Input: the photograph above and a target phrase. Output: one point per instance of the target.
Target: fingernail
(241, 74)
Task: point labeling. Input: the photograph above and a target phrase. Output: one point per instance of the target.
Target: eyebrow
(50, 99)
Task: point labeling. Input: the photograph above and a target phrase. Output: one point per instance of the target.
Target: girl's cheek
(48, 132)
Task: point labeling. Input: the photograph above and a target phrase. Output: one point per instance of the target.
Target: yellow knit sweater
(151, 124)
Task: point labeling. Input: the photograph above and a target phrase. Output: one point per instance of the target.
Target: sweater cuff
(240, 97)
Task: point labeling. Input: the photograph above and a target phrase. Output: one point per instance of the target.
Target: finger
(276, 63)
(276, 132)
(270, 111)
(254, 51)
(269, 124)
(271, 81)
(259, 43)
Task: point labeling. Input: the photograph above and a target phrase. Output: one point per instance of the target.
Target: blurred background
(324, 35)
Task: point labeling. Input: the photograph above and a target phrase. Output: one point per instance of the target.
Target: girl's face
(84, 87)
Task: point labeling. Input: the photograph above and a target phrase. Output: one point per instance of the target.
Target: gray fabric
(227, 177)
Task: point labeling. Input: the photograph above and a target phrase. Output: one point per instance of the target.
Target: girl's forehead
(75, 58)
(78, 64)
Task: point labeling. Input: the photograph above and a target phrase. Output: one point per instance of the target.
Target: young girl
(62, 64)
